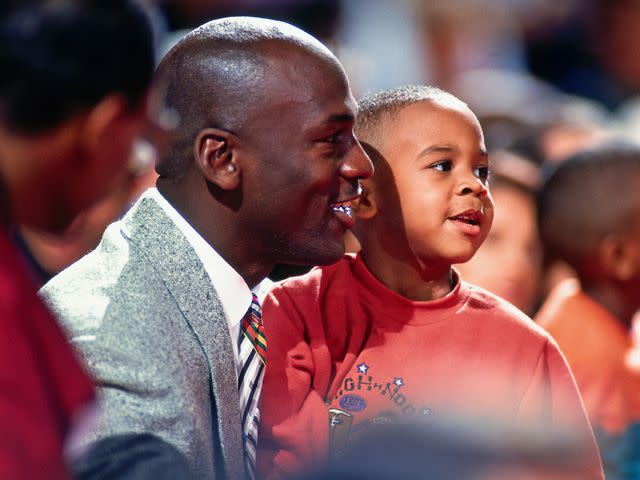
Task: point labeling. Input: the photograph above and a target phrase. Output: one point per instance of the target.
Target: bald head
(223, 72)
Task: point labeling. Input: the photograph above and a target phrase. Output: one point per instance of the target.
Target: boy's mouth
(471, 217)
(468, 221)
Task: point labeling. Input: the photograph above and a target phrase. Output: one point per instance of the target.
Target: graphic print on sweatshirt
(365, 399)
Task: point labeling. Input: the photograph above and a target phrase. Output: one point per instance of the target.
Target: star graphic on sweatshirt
(425, 411)
(363, 368)
(398, 381)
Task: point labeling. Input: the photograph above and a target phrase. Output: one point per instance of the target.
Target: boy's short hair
(59, 57)
(586, 197)
(375, 110)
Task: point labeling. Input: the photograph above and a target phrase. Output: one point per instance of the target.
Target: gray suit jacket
(144, 314)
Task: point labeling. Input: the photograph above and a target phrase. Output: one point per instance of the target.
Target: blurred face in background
(54, 252)
(509, 263)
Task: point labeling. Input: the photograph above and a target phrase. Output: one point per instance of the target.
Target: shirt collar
(233, 292)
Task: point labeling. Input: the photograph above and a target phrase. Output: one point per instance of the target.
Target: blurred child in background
(590, 217)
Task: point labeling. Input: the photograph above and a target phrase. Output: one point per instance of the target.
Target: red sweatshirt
(42, 385)
(345, 350)
(597, 347)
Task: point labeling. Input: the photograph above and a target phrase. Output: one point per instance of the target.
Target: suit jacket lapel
(184, 275)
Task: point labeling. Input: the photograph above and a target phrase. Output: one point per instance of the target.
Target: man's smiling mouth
(345, 213)
(343, 207)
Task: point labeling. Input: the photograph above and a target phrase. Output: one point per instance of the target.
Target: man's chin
(325, 255)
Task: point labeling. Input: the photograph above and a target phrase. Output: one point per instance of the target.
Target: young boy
(590, 217)
(393, 333)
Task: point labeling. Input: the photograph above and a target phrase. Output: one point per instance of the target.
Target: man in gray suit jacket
(260, 172)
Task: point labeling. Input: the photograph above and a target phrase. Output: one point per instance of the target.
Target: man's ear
(620, 257)
(365, 206)
(214, 151)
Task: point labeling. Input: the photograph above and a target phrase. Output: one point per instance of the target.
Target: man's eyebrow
(340, 118)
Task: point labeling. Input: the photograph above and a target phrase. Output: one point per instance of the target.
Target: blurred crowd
(549, 81)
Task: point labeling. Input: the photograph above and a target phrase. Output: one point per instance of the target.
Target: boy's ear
(214, 151)
(365, 206)
(620, 257)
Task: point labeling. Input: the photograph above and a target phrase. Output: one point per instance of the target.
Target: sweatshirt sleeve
(294, 419)
(552, 401)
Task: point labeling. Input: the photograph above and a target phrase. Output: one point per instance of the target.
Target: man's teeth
(346, 209)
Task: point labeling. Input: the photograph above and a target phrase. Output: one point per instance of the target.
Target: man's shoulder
(117, 276)
(122, 257)
(102, 265)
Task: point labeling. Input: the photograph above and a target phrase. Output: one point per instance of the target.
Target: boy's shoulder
(501, 313)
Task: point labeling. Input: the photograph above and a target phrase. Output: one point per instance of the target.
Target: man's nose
(356, 163)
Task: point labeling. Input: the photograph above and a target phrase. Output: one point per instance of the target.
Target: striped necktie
(252, 348)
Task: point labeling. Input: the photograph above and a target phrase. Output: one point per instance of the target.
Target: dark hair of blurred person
(73, 101)
(75, 77)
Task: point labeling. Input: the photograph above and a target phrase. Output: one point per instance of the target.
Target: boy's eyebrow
(437, 149)
(445, 149)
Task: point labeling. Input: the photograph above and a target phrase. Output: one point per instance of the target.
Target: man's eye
(443, 166)
(482, 172)
(334, 138)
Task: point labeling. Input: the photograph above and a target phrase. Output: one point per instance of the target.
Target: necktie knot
(253, 329)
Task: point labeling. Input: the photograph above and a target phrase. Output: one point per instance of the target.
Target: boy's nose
(473, 186)
(356, 164)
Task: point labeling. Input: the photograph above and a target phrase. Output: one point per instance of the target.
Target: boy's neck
(613, 300)
(408, 277)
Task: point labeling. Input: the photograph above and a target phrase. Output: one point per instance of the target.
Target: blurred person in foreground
(73, 100)
(589, 213)
(475, 449)
(394, 333)
(514, 241)
(260, 171)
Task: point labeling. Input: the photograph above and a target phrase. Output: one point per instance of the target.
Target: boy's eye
(443, 166)
(482, 172)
